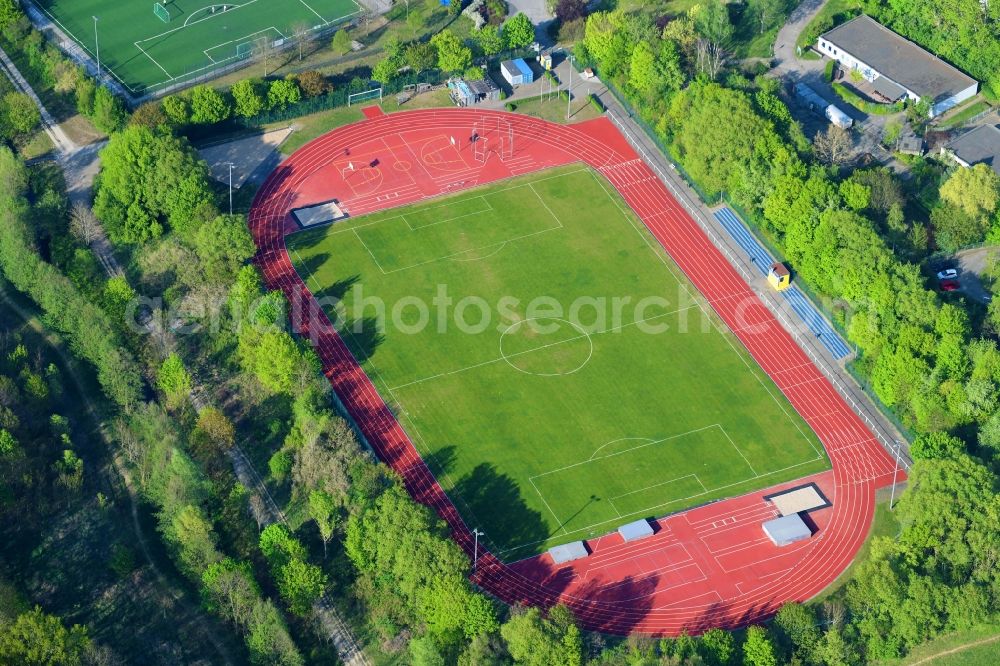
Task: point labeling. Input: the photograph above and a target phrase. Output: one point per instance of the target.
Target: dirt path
(960, 648)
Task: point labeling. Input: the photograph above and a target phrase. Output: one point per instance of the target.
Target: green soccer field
(144, 51)
(549, 361)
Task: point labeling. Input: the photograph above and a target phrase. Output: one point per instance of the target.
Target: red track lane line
(850, 446)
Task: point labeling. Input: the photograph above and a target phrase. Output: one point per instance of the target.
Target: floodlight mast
(97, 48)
(475, 549)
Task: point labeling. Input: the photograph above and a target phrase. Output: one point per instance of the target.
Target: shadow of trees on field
(495, 497)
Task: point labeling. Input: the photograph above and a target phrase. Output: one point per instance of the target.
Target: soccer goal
(374, 93)
(161, 12)
(244, 50)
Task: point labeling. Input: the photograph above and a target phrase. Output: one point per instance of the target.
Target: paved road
(785, 57)
(971, 264)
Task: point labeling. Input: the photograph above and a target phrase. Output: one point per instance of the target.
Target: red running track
(709, 566)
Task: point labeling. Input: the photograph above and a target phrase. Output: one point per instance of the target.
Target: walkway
(64, 145)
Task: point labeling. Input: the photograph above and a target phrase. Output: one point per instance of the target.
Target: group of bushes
(204, 105)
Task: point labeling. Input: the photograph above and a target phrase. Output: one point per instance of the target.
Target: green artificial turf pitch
(551, 423)
(144, 52)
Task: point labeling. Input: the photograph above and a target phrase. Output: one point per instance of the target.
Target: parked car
(950, 285)
(947, 274)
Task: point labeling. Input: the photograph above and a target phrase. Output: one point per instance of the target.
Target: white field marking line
(614, 329)
(612, 506)
(332, 231)
(807, 381)
(724, 432)
(586, 335)
(620, 439)
(243, 40)
(370, 253)
(320, 16)
(542, 201)
(659, 251)
(623, 451)
(485, 256)
(475, 249)
(554, 516)
(311, 276)
(646, 511)
(488, 209)
(154, 61)
(662, 483)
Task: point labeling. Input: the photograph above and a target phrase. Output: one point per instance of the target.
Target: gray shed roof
(981, 145)
(898, 59)
(787, 529)
(888, 89)
(568, 552)
(639, 529)
(510, 68)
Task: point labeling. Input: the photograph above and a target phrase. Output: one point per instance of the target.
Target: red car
(950, 285)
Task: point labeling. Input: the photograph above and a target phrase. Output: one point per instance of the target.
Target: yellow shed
(779, 276)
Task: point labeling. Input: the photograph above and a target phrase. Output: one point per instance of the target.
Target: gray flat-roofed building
(568, 552)
(787, 530)
(865, 45)
(639, 529)
(978, 146)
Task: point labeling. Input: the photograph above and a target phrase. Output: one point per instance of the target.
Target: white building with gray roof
(896, 67)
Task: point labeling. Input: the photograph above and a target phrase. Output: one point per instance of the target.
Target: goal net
(161, 12)
(374, 93)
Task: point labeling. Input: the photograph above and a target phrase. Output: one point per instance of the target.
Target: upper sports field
(144, 51)
(554, 368)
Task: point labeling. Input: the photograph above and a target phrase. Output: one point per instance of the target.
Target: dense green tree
(110, 113)
(10, 13)
(35, 638)
(341, 42)
(453, 56)
(301, 585)
(490, 40)
(798, 630)
(283, 92)
(386, 69)
(228, 587)
(518, 32)
(936, 445)
(208, 106)
(147, 180)
(223, 245)
(717, 647)
(535, 640)
(248, 100)
(713, 22)
(425, 652)
(18, 114)
(420, 56)
(974, 190)
(174, 380)
(758, 649)
(178, 109)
